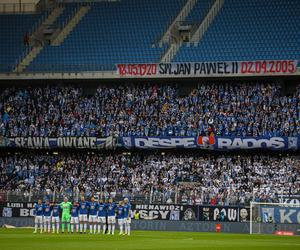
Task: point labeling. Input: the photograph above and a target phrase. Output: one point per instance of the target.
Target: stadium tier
(249, 30)
(110, 33)
(172, 115)
(12, 29)
(232, 109)
(197, 179)
(129, 31)
(68, 11)
(198, 12)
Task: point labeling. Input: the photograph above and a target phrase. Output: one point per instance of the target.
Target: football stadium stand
(13, 28)
(200, 128)
(197, 179)
(128, 32)
(233, 109)
(199, 11)
(249, 30)
(108, 35)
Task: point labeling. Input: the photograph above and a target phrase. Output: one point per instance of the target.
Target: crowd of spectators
(235, 109)
(150, 110)
(188, 178)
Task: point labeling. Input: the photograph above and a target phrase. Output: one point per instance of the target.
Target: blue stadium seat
(199, 11)
(13, 29)
(111, 33)
(125, 31)
(249, 30)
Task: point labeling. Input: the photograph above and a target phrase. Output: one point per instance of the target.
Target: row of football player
(78, 214)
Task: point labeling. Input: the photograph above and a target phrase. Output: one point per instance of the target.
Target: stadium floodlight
(268, 217)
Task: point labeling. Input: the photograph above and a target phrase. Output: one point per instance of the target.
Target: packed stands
(129, 31)
(233, 109)
(201, 179)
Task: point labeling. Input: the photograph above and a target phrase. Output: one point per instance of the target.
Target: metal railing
(28, 196)
(176, 196)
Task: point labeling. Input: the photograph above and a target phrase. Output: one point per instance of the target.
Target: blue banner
(57, 142)
(212, 143)
(219, 143)
(280, 214)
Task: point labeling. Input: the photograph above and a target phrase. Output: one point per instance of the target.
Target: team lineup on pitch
(77, 216)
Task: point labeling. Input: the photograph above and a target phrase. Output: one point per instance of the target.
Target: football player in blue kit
(47, 217)
(83, 214)
(55, 217)
(111, 216)
(120, 216)
(93, 211)
(127, 216)
(75, 217)
(38, 216)
(102, 212)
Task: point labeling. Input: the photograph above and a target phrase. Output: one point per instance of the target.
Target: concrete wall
(17, 6)
(19, 1)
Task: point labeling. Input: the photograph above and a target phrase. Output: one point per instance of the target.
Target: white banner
(205, 69)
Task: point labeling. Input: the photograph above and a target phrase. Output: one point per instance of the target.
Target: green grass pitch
(24, 239)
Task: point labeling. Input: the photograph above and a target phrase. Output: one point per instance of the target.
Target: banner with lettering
(207, 69)
(288, 198)
(215, 143)
(266, 213)
(221, 143)
(16, 209)
(58, 142)
(224, 213)
(146, 211)
(192, 212)
(164, 212)
(280, 214)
